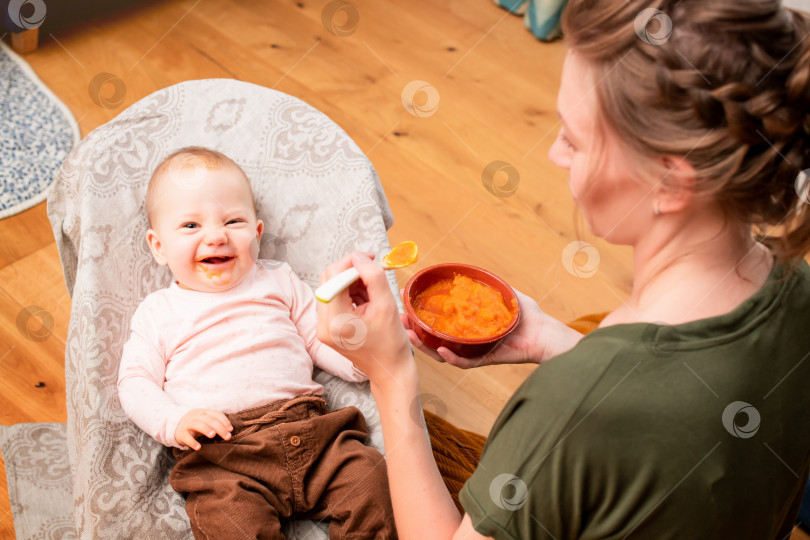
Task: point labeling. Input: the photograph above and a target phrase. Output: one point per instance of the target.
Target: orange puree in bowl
(463, 307)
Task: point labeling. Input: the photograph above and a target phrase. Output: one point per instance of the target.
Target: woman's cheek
(577, 179)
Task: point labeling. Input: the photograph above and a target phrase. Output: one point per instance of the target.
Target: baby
(219, 366)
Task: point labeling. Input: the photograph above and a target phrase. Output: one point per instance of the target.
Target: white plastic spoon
(335, 285)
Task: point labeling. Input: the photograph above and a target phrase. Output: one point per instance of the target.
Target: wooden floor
(488, 92)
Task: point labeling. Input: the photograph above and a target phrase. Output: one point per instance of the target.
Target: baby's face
(205, 227)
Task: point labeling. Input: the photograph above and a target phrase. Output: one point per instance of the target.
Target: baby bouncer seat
(319, 198)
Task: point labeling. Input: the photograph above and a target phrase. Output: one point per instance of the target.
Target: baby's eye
(235, 220)
(189, 225)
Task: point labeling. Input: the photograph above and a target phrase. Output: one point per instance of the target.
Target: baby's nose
(216, 235)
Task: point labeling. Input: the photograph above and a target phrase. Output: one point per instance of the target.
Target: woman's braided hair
(725, 83)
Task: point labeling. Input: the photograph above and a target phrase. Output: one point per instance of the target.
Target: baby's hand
(202, 422)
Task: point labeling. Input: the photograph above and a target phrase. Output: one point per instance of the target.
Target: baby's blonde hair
(190, 155)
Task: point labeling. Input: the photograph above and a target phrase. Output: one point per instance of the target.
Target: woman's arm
(423, 508)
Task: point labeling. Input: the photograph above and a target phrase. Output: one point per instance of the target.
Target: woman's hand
(537, 338)
(362, 323)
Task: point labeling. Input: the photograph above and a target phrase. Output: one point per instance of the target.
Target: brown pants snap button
(295, 440)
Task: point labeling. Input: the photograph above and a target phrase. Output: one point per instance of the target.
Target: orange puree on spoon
(463, 307)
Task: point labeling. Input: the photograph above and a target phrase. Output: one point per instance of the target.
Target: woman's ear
(676, 188)
(156, 247)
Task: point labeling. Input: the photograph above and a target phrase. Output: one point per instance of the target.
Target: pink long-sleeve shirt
(229, 351)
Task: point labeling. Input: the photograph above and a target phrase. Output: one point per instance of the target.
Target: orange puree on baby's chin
(463, 307)
(212, 273)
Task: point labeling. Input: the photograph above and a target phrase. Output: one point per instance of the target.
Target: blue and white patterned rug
(36, 133)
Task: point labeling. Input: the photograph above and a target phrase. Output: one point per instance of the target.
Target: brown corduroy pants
(289, 459)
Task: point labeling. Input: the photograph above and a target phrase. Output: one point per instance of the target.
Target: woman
(684, 125)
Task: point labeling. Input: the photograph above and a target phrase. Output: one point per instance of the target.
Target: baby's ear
(156, 247)
(255, 246)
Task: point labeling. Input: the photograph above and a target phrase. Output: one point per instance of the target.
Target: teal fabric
(694, 431)
(541, 17)
(515, 6)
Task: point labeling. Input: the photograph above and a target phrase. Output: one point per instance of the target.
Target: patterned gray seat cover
(319, 197)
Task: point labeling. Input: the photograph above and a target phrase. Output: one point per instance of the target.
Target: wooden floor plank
(23, 235)
(6, 518)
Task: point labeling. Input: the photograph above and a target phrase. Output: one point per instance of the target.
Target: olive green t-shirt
(699, 430)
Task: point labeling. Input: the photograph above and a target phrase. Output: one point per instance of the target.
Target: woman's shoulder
(564, 383)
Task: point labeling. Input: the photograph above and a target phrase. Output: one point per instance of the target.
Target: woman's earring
(655, 209)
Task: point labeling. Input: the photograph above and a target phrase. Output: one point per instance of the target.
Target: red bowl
(465, 347)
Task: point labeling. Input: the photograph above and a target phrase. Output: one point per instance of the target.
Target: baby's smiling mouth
(215, 260)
